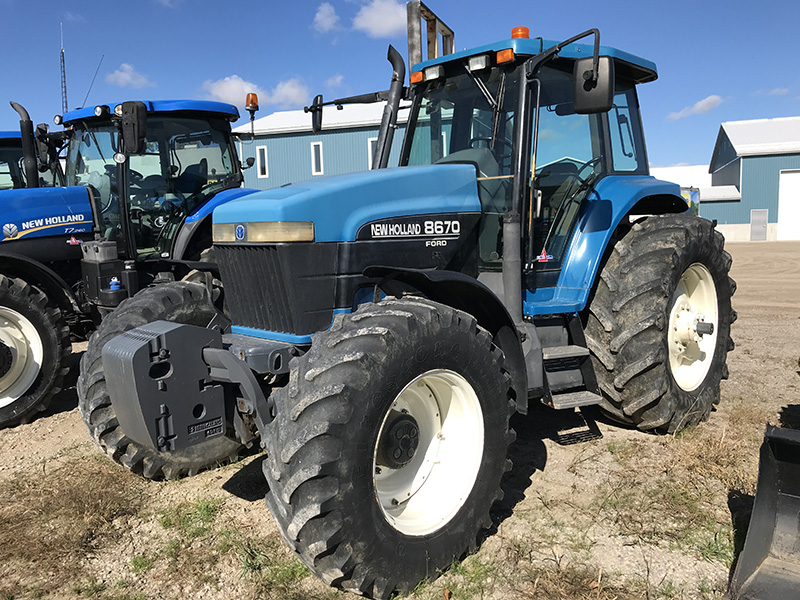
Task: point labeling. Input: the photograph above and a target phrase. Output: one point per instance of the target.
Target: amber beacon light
(520, 33)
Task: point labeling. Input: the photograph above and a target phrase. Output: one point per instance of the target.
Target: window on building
(371, 143)
(316, 158)
(261, 162)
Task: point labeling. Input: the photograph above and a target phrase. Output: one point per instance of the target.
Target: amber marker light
(520, 33)
(505, 56)
(417, 77)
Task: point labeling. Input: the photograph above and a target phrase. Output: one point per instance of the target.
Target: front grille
(286, 288)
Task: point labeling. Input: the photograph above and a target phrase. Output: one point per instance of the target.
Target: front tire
(389, 444)
(34, 348)
(658, 324)
(180, 302)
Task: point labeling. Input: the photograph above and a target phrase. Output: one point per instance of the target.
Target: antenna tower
(63, 75)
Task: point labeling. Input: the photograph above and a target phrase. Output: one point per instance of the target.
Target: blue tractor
(384, 326)
(134, 208)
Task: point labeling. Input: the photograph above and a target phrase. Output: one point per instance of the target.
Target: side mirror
(249, 162)
(42, 146)
(594, 92)
(134, 126)
(316, 113)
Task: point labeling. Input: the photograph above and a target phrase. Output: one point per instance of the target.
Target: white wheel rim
(423, 495)
(19, 335)
(690, 353)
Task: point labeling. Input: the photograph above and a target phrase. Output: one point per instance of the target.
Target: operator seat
(193, 179)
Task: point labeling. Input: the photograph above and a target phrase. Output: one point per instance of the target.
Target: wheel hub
(428, 452)
(6, 359)
(692, 333)
(400, 440)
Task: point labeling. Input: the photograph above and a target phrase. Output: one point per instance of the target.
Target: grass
(51, 519)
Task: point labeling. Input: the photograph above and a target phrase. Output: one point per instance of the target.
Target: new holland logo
(241, 232)
(10, 230)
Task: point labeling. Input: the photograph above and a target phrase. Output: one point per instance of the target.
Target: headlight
(270, 232)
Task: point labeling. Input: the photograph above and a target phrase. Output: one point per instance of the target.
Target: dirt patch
(628, 515)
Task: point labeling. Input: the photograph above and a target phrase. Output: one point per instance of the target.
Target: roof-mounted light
(58, 119)
(520, 33)
(434, 72)
(118, 110)
(101, 111)
(505, 56)
(416, 77)
(478, 63)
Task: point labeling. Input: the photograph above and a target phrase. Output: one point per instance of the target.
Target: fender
(469, 295)
(611, 201)
(42, 276)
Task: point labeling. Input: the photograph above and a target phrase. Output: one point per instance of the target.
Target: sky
(717, 60)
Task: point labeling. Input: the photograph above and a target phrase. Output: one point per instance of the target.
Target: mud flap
(769, 566)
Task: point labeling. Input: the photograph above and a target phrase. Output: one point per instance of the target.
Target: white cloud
(326, 18)
(292, 92)
(381, 19)
(233, 90)
(778, 92)
(335, 81)
(71, 17)
(705, 105)
(169, 3)
(126, 76)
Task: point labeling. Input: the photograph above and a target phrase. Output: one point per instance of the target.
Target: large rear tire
(658, 324)
(389, 444)
(181, 302)
(34, 348)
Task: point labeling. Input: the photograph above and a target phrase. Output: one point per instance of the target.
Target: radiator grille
(256, 294)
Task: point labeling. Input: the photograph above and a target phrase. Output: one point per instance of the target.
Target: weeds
(50, 520)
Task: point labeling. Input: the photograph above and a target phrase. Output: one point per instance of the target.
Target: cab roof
(630, 66)
(10, 135)
(227, 111)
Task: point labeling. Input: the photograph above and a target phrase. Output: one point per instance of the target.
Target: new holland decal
(446, 228)
(69, 224)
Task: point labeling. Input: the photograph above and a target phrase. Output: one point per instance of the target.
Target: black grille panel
(285, 288)
(255, 287)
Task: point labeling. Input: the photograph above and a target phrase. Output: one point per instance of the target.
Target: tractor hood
(339, 206)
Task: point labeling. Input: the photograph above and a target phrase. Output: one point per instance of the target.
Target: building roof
(686, 176)
(297, 121)
(720, 193)
(764, 136)
(758, 137)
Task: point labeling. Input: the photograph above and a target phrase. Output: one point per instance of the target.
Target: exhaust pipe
(29, 161)
(389, 121)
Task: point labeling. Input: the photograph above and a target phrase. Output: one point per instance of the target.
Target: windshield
(470, 117)
(184, 162)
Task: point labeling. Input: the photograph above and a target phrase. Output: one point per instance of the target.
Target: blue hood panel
(339, 206)
(224, 196)
(41, 212)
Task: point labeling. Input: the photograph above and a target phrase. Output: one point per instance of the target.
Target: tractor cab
(515, 110)
(149, 166)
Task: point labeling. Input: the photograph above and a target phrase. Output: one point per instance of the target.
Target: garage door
(789, 206)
